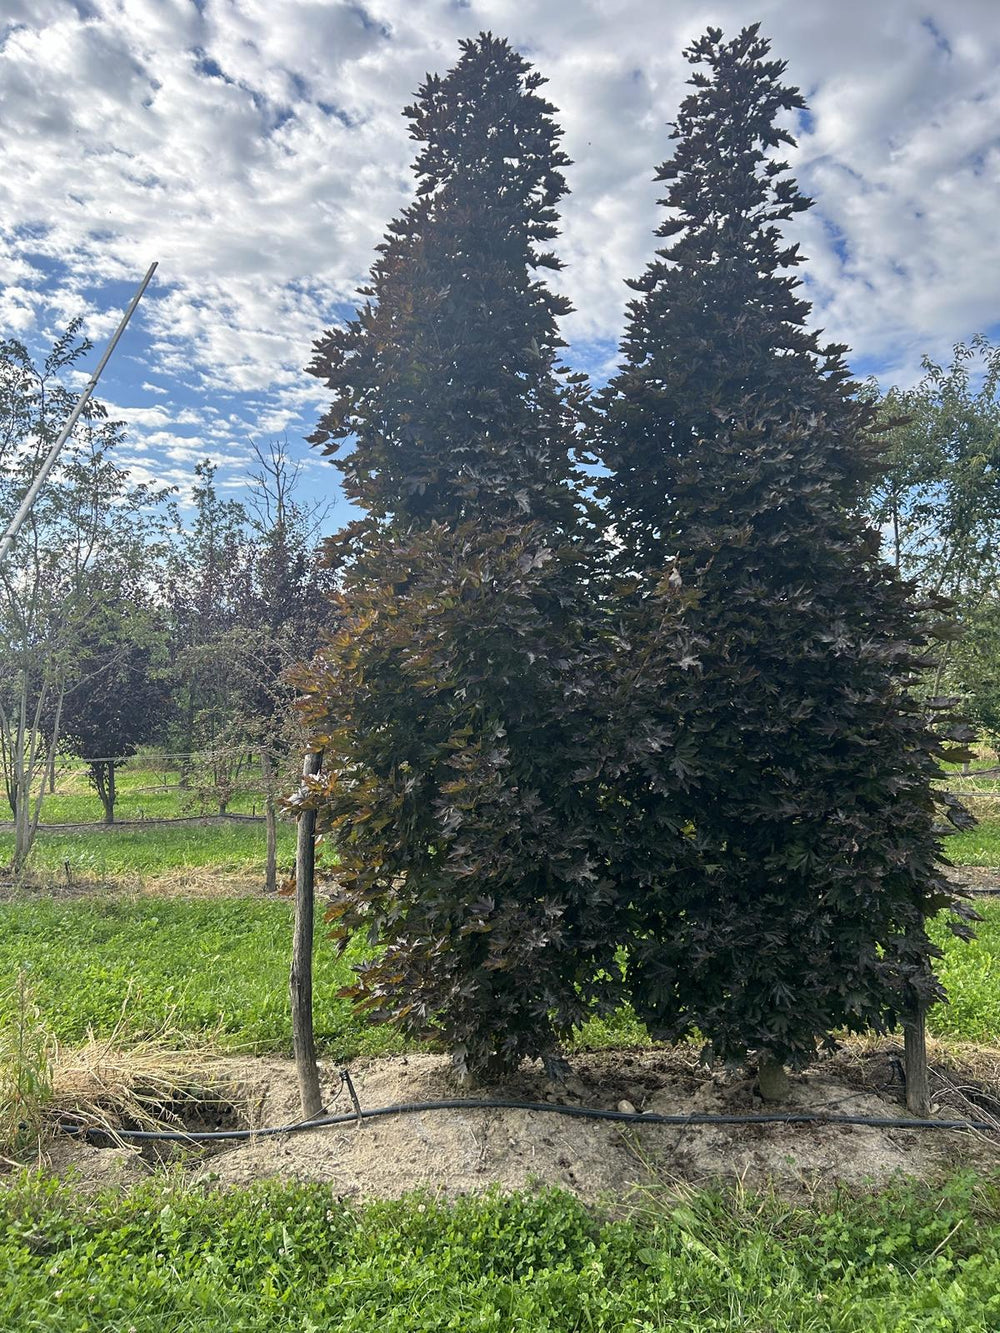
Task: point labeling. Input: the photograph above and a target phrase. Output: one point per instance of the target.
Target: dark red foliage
(455, 711)
(444, 381)
(453, 703)
(736, 443)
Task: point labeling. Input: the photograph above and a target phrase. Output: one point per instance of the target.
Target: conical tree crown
(734, 440)
(455, 705)
(718, 333)
(446, 379)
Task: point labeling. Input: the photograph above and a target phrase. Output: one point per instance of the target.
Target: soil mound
(458, 1151)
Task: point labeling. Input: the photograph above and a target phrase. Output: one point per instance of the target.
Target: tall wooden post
(918, 1088)
(300, 981)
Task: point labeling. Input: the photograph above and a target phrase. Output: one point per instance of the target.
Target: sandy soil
(459, 1151)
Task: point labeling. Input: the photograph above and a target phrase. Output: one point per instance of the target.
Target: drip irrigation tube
(549, 1108)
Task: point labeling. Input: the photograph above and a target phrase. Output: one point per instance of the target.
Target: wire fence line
(206, 781)
(144, 821)
(164, 759)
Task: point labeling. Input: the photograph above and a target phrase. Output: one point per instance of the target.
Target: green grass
(221, 965)
(159, 850)
(120, 852)
(971, 975)
(978, 847)
(280, 1258)
(144, 792)
(216, 966)
(81, 804)
(204, 965)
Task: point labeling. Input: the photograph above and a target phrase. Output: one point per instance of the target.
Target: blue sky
(255, 148)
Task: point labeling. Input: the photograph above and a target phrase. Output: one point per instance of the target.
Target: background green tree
(117, 697)
(80, 551)
(938, 505)
(204, 586)
(938, 497)
(282, 607)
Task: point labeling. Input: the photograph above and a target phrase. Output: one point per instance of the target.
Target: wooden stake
(300, 981)
(918, 1089)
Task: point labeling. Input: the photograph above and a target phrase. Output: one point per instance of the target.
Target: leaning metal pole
(25, 508)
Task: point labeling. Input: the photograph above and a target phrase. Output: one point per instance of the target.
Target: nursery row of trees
(127, 618)
(656, 734)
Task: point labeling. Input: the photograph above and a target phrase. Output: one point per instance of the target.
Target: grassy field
(173, 1256)
(220, 967)
(161, 850)
(145, 793)
(146, 790)
(296, 1258)
(979, 846)
(202, 967)
(971, 975)
(199, 966)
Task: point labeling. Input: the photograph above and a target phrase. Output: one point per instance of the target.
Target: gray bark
(918, 1089)
(772, 1081)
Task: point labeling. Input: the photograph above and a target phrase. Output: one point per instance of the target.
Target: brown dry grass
(203, 882)
(106, 1084)
(157, 1083)
(187, 882)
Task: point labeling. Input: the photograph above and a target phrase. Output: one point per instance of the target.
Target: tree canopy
(451, 704)
(736, 442)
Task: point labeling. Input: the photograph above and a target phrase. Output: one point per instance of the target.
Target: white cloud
(257, 151)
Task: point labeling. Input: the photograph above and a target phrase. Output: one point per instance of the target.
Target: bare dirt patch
(185, 882)
(977, 879)
(460, 1151)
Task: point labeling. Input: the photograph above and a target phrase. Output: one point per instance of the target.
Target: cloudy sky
(255, 148)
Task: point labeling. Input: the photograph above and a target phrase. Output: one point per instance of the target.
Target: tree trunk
(772, 1080)
(102, 775)
(271, 823)
(918, 1091)
(22, 783)
(187, 764)
(300, 981)
(223, 785)
(22, 829)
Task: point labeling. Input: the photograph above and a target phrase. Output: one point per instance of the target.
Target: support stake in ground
(300, 981)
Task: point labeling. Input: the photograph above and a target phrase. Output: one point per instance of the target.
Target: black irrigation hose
(580, 1112)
